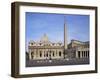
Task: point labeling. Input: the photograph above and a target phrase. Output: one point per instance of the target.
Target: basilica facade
(44, 49)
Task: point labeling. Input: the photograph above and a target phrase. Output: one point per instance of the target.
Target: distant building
(78, 49)
(45, 49)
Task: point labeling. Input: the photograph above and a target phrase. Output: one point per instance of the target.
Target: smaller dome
(31, 41)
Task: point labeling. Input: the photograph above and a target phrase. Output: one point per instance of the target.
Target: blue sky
(38, 24)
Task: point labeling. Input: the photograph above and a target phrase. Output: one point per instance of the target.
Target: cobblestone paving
(74, 61)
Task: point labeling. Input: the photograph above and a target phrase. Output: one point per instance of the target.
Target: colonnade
(82, 54)
(45, 54)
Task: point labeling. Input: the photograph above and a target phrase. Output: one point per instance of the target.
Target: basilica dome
(44, 38)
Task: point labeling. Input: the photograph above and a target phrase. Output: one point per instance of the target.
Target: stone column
(87, 55)
(30, 55)
(43, 54)
(55, 53)
(77, 54)
(34, 53)
(81, 54)
(62, 54)
(37, 54)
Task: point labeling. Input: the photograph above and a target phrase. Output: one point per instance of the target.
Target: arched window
(40, 54)
(53, 53)
(59, 53)
(40, 44)
(31, 43)
(47, 55)
(32, 55)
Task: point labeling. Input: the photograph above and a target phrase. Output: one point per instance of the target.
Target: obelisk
(65, 35)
